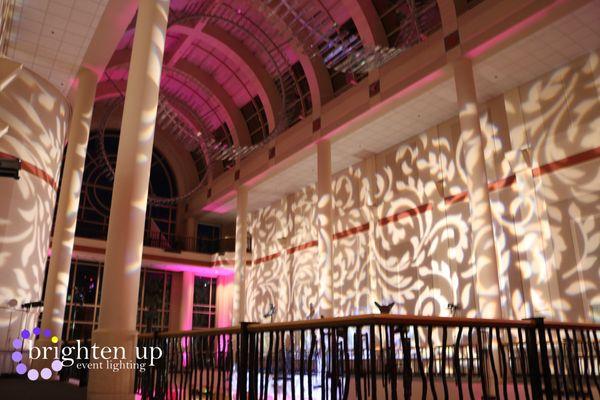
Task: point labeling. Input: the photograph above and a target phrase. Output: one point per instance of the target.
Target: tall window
(83, 300)
(205, 296)
(96, 192)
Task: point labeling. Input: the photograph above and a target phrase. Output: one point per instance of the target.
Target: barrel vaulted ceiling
(236, 73)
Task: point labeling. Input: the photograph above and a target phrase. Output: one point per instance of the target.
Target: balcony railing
(377, 356)
(178, 243)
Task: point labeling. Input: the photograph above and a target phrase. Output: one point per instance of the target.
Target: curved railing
(377, 356)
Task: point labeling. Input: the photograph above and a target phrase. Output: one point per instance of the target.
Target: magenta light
(198, 270)
(220, 206)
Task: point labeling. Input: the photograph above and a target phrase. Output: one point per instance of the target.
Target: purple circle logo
(17, 355)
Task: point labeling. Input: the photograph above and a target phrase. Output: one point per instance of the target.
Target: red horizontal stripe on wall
(405, 214)
(351, 231)
(267, 258)
(303, 246)
(455, 198)
(502, 183)
(33, 170)
(567, 162)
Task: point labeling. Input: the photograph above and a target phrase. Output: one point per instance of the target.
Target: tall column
(224, 302)
(370, 207)
(241, 242)
(483, 247)
(182, 302)
(55, 297)
(325, 228)
(117, 325)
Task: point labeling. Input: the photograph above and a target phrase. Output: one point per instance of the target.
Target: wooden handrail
(377, 319)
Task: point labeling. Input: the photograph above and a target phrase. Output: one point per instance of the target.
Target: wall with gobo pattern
(412, 231)
(34, 117)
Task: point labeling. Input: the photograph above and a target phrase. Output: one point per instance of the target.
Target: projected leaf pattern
(545, 224)
(37, 116)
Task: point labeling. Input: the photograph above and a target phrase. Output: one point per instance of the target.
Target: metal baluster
(311, 354)
(586, 372)
(481, 357)
(392, 361)
(554, 364)
(232, 362)
(276, 366)
(202, 363)
(522, 355)
(302, 344)
(259, 383)
(323, 364)
(358, 362)
(373, 361)
(502, 364)
(576, 362)
(471, 362)
(346, 366)
(284, 368)
(457, 367)
(333, 353)
(211, 350)
(420, 363)
(492, 361)
(571, 367)
(268, 366)
(513, 363)
(563, 363)
(292, 366)
(383, 358)
(443, 371)
(593, 360)
(431, 361)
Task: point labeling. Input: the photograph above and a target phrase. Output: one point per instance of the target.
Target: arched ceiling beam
(108, 90)
(319, 82)
(367, 22)
(250, 64)
(233, 116)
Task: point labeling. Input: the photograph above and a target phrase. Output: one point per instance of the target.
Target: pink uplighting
(198, 270)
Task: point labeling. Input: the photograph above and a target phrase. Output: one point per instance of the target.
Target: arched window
(96, 193)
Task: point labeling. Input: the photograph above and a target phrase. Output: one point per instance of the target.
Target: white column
(68, 203)
(370, 208)
(124, 245)
(241, 241)
(325, 228)
(182, 301)
(483, 247)
(224, 302)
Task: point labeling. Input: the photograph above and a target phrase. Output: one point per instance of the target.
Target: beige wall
(37, 116)
(415, 236)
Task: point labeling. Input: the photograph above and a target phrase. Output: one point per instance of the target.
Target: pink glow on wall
(198, 270)
(224, 301)
(220, 206)
(512, 31)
